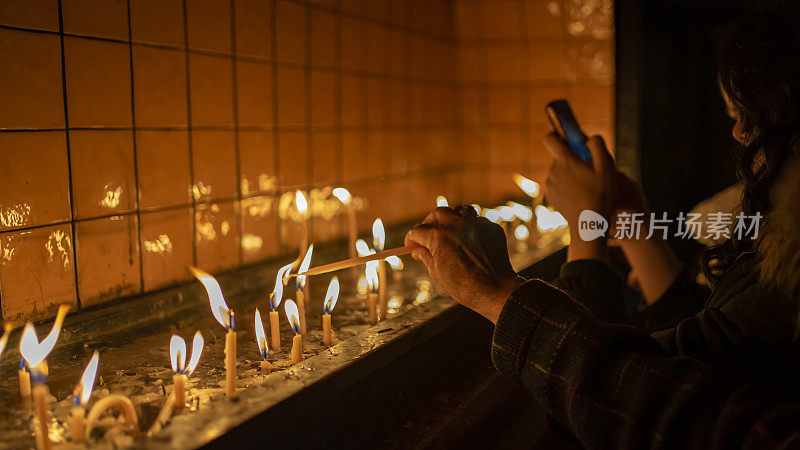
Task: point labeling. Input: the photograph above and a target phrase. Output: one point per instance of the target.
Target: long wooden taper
(352, 262)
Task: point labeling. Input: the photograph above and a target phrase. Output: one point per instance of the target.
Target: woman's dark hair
(760, 74)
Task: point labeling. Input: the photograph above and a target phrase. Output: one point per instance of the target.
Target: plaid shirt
(615, 387)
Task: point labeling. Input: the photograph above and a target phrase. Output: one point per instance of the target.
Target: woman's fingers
(601, 159)
(557, 147)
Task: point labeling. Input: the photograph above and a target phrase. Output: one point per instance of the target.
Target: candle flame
(342, 194)
(301, 202)
(441, 201)
(331, 296)
(177, 353)
(7, 327)
(395, 262)
(372, 275)
(378, 235)
(492, 215)
(292, 315)
(548, 219)
(521, 211)
(261, 337)
(87, 380)
(363, 249)
(301, 279)
(215, 298)
(280, 280)
(33, 351)
(528, 186)
(521, 232)
(506, 213)
(477, 208)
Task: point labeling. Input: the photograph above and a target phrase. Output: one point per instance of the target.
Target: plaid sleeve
(596, 286)
(615, 387)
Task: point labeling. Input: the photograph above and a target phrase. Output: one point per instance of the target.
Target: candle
(226, 318)
(352, 225)
(378, 241)
(531, 189)
(120, 403)
(261, 340)
(275, 300)
(339, 265)
(372, 296)
(293, 317)
(24, 381)
(441, 201)
(328, 336)
(301, 203)
(80, 397)
(35, 353)
(302, 289)
(7, 327)
(181, 371)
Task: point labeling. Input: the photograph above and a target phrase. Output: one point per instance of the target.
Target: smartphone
(564, 123)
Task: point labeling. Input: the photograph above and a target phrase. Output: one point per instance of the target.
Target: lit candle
(301, 203)
(294, 322)
(261, 340)
(378, 241)
(275, 300)
(328, 336)
(80, 397)
(396, 264)
(177, 357)
(35, 353)
(302, 288)
(24, 380)
(531, 189)
(372, 295)
(116, 401)
(441, 201)
(352, 226)
(226, 318)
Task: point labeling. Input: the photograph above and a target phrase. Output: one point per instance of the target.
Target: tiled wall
(515, 56)
(138, 137)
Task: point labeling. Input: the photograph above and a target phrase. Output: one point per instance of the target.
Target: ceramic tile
(103, 179)
(257, 162)
(353, 44)
(209, 24)
(472, 61)
(30, 80)
(592, 102)
(377, 102)
(547, 61)
(543, 18)
(98, 83)
(259, 228)
(36, 14)
(293, 159)
(34, 190)
(164, 168)
(291, 31)
(323, 98)
(505, 147)
(101, 18)
(506, 105)
(325, 158)
(399, 143)
(353, 100)
(508, 62)
(377, 49)
(166, 247)
(253, 27)
(591, 61)
(397, 102)
(159, 86)
(254, 93)
(469, 24)
(217, 236)
(323, 38)
(472, 105)
(354, 159)
(214, 161)
(378, 153)
(539, 156)
(157, 22)
(400, 49)
(291, 96)
(211, 90)
(36, 272)
(502, 19)
(108, 259)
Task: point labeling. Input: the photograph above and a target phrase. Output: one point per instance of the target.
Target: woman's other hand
(467, 256)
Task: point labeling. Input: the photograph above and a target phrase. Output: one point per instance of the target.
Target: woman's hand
(467, 256)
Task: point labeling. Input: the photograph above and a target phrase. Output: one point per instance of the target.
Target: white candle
(292, 316)
(328, 336)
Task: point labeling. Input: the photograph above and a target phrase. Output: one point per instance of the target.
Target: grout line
(69, 157)
(237, 209)
(138, 191)
(193, 210)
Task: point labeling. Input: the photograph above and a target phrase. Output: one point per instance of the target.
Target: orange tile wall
(138, 137)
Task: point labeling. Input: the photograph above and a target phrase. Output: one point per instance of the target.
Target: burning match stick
(352, 262)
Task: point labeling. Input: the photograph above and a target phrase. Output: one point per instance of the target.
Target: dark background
(672, 126)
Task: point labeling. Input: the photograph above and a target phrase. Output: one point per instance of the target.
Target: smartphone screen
(564, 123)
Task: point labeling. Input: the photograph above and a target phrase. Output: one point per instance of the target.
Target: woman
(606, 380)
